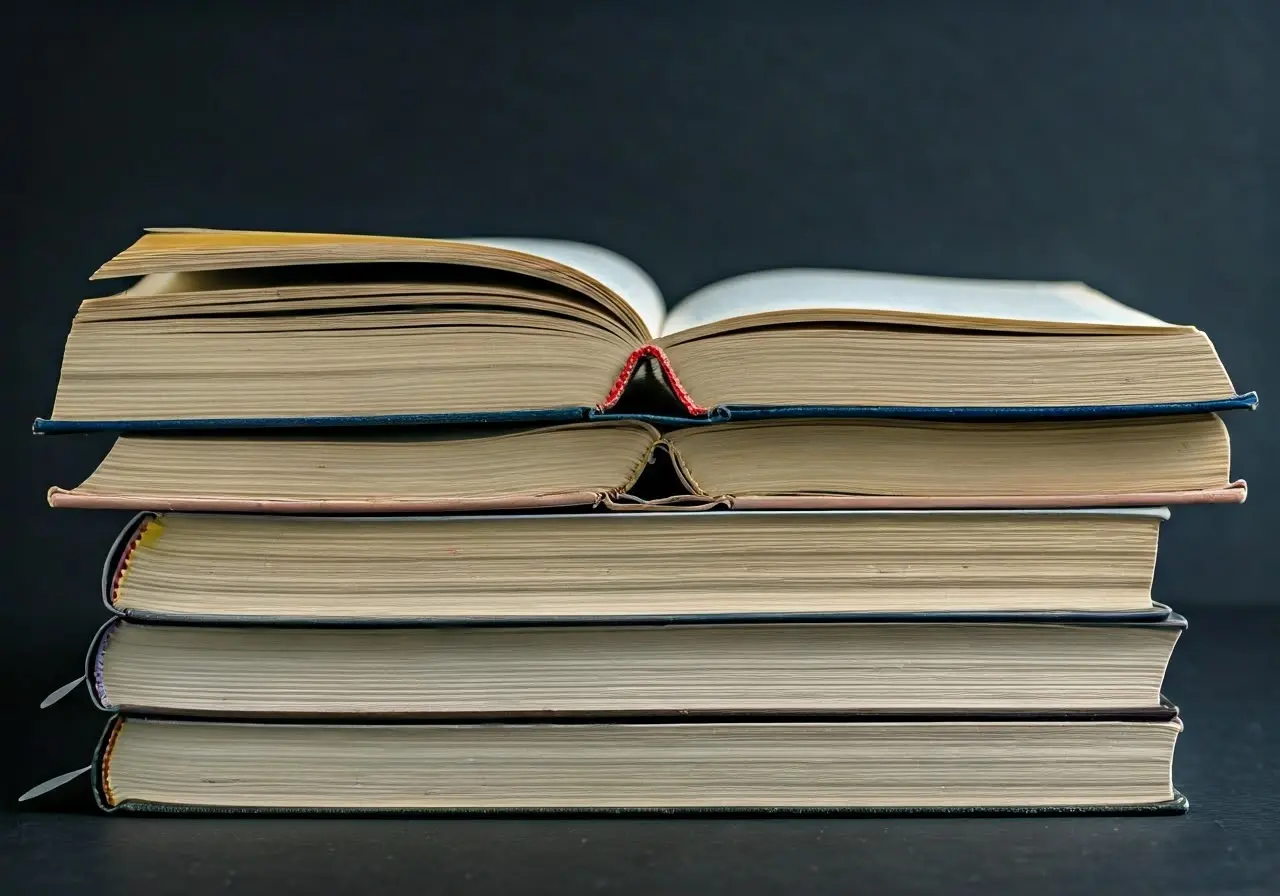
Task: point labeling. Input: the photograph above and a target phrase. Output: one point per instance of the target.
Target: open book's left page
(596, 274)
(623, 276)
(264, 328)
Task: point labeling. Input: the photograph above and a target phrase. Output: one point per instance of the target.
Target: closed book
(1083, 667)
(870, 766)
(630, 465)
(559, 568)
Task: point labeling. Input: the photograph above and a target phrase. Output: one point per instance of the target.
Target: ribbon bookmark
(60, 693)
(53, 784)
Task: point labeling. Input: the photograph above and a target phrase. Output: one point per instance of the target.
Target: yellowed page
(597, 273)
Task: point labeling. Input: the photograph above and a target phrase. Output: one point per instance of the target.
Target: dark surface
(1128, 144)
(1223, 675)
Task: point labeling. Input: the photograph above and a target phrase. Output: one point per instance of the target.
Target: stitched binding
(107, 752)
(122, 566)
(99, 663)
(668, 373)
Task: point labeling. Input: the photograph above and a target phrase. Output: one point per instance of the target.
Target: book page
(903, 298)
(179, 249)
(616, 272)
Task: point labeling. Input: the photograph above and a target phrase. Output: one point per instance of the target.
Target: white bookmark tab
(53, 784)
(60, 693)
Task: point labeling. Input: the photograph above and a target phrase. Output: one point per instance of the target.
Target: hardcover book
(1086, 665)
(242, 328)
(778, 464)
(870, 766)
(719, 565)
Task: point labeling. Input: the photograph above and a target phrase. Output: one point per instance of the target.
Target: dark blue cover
(1158, 614)
(722, 414)
(541, 416)
(1248, 401)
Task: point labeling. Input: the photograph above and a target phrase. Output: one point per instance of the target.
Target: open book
(629, 464)
(256, 328)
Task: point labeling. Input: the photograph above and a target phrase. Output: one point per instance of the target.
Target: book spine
(94, 664)
(122, 545)
(102, 793)
(146, 527)
(668, 373)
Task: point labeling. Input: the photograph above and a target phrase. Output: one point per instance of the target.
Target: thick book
(240, 328)
(871, 766)
(1084, 666)
(503, 569)
(823, 463)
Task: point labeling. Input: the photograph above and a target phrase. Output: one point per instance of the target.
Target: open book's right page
(836, 296)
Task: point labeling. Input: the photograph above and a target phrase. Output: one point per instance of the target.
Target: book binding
(697, 415)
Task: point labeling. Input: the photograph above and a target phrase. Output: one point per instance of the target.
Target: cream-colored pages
(386, 326)
(504, 671)
(752, 299)
(628, 464)
(652, 564)
(810, 295)
(814, 765)
(596, 273)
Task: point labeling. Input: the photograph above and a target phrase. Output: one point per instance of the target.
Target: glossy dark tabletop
(1223, 676)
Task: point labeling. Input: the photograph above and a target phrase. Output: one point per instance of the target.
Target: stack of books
(479, 525)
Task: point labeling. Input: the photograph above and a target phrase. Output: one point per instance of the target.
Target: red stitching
(628, 368)
(668, 373)
(123, 564)
(107, 754)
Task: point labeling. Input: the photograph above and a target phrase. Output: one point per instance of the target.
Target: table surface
(1223, 675)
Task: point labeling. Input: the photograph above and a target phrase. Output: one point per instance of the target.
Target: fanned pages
(648, 566)
(789, 463)
(239, 328)
(795, 766)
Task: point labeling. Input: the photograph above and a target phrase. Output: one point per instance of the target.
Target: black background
(1130, 145)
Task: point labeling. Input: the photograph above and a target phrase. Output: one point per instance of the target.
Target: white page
(620, 274)
(803, 289)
